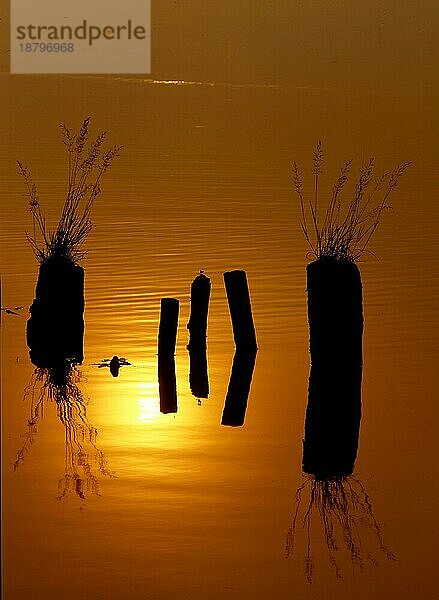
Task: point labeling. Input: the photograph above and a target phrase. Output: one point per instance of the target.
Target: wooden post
(238, 391)
(238, 297)
(197, 346)
(168, 325)
(333, 413)
(55, 329)
(197, 325)
(169, 308)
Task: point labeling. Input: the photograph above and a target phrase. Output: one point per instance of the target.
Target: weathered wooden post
(333, 413)
(238, 297)
(55, 329)
(197, 346)
(168, 325)
(169, 308)
(197, 325)
(239, 388)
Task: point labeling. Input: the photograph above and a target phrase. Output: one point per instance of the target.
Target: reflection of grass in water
(83, 459)
(345, 513)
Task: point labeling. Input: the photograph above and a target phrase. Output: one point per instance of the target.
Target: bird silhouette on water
(113, 364)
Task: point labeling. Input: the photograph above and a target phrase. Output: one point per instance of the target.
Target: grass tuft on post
(87, 163)
(55, 329)
(343, 230)
(338, 235)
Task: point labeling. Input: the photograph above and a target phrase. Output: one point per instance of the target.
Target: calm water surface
(194, 509)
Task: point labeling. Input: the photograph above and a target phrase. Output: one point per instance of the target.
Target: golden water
(197, 510)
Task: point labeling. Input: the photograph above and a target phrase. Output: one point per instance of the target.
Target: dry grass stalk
(344, 234)
(87, 163)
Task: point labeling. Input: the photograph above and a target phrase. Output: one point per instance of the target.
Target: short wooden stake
(168, 325)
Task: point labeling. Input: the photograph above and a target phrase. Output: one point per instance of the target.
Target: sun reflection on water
(149, 402)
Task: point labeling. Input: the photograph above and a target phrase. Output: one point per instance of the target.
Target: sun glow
(149, 402)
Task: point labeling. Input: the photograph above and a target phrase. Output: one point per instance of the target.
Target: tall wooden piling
(238, 297)
(55, 330)
(197, 346)
(169, 308)
(200, 295)
(333, 413)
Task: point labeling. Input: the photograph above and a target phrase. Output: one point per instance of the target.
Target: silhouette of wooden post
(333, 413)
(168, 325)
(197, 346)
(238, 297)
(197, 325)
(169, 308)
(55, 330)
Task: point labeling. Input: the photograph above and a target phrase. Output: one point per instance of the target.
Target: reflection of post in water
(166, 360)
(239, 388)
(83, 459)
(198, 374)
(197, 346)
(332, 421)
(167, 384)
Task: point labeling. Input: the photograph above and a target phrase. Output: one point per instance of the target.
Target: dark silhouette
(114, 364)
(238, 297)
(166, 348)
(167, 384)
(12, 311)
(334, 396)
(198, 374)
(83, 459)
(168, 325)
(197, 346)
(332, 423)
(55, 334)
(55, 330)
(239, 388)
(345, 514)
(197, 325)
